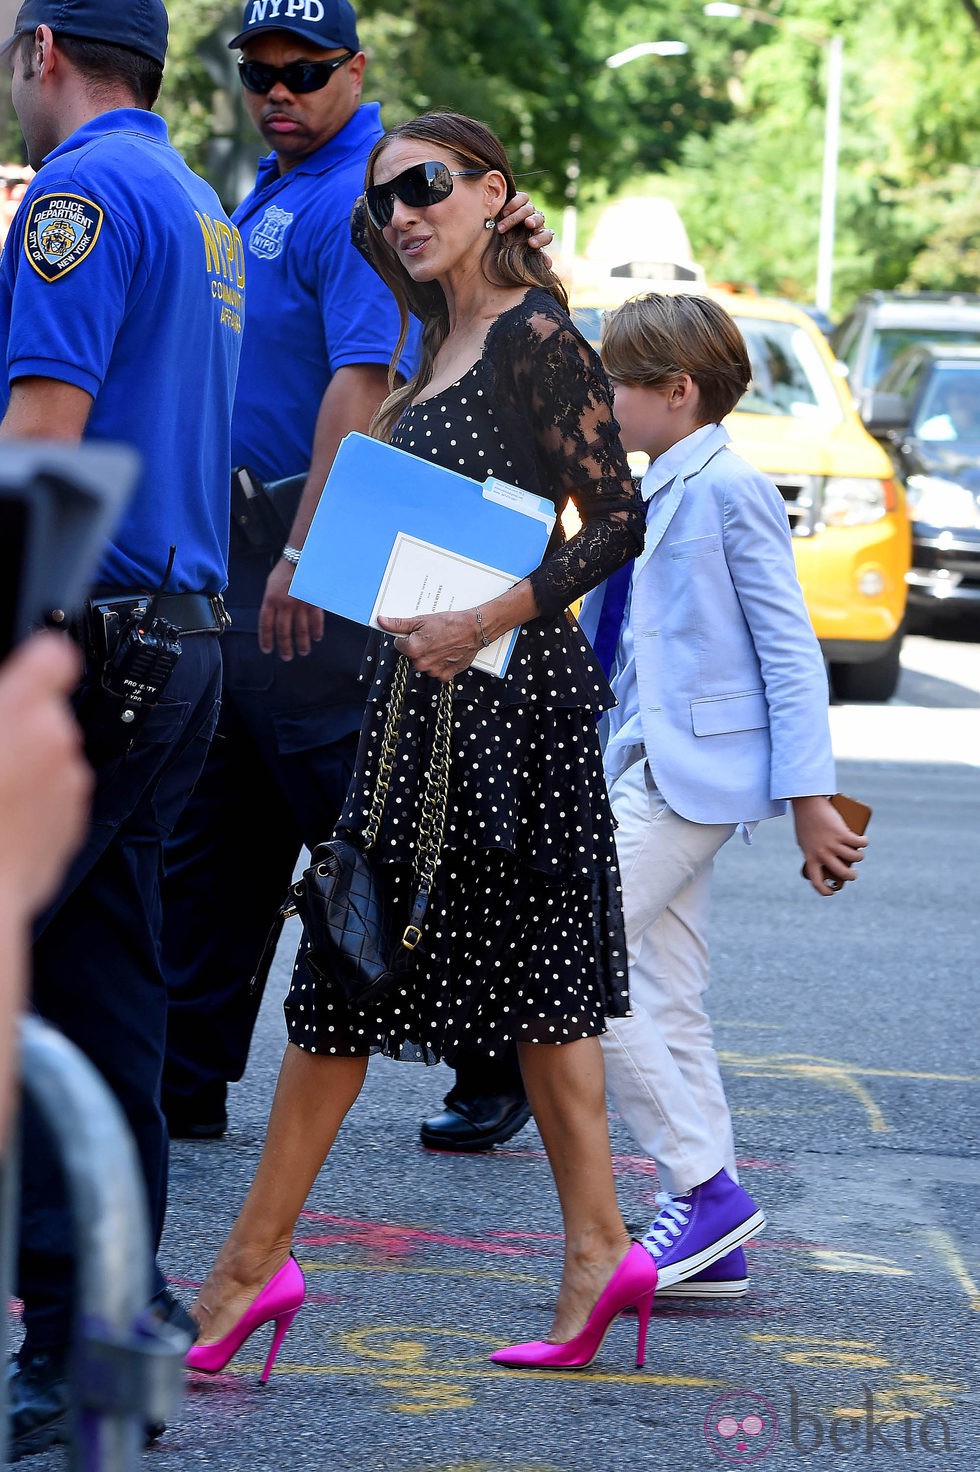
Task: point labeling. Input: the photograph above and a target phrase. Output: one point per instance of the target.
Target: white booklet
(423, 578)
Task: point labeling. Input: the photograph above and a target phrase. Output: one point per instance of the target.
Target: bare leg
(566, 1087)
(313, 1094)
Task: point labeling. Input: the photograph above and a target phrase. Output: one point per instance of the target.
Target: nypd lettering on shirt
(268, 237)
(224, 259)
(266, 10)
(61, 230)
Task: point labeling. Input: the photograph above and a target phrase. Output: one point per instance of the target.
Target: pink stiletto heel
(278, 1303)
(631, 1286)
(643, 1308)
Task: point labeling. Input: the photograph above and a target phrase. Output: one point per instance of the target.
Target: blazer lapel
(662, 509)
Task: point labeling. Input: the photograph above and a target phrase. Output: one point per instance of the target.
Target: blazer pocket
(715, 715)
(695, 547)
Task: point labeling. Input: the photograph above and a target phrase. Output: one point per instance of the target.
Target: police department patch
(60, 232)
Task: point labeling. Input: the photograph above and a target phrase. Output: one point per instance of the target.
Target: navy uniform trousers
(275, 779)
(97, 974)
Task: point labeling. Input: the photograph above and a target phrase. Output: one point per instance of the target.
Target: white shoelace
(668, 1224)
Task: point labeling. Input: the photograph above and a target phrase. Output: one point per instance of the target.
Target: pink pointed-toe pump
(278, 1303)
(631, 1286)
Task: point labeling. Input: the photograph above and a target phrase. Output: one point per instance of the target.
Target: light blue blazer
(731, 681)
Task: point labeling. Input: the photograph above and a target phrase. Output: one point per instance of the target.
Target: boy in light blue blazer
(722, 720)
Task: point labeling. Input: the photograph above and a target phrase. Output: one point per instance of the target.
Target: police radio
(141, 663)
(140, 655)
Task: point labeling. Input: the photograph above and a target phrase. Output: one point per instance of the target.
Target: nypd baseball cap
(326, 23)
(139, 25)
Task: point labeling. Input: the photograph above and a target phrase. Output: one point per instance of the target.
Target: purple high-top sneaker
(694, 1230)
(724, 1279)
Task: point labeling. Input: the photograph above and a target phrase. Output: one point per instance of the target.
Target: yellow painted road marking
(810, 1339)
(857, 1262)
(854, 1068)
(626, 1377)
(832, 1072)
(404, 1361)
(948, 1251)
(907, 1392)
(910, 1394)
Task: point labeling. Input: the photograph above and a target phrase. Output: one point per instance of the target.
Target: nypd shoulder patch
(61, 230)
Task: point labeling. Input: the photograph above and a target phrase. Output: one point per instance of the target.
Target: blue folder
(375, 492)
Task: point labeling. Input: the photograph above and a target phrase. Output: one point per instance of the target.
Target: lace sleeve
(556, 381)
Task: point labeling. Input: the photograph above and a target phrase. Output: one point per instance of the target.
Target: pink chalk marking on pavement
(623, 1165)
(394, 1239)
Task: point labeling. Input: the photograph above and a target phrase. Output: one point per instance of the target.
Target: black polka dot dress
(523, 938)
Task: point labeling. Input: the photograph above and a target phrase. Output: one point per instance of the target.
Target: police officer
(319, 336)
(121, 314)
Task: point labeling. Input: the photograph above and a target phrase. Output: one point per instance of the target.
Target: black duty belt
(189, 613)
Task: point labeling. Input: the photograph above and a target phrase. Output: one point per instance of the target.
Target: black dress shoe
(476, 1124)
(38, 1399)
(167, 1308)
(199, 1116)
(38, 1387)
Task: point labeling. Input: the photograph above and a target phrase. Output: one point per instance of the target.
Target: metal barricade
(125, 1368)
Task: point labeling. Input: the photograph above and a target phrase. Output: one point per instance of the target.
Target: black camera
(58, 505)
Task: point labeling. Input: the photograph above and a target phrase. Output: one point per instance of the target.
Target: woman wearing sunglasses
(523, 936)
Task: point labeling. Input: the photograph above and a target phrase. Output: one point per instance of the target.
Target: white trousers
(661, 1067)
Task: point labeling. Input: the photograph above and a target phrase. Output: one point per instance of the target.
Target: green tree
(732, 131)
(750, 192)
(535, 71)
(188, 100)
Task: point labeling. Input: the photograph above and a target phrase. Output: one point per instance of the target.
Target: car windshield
(950, 406)
(891, 341)
(789, 377)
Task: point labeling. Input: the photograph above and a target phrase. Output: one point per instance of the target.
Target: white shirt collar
(668, 466)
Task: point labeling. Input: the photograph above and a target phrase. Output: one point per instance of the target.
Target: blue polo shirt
(123, 276)
(314, 305)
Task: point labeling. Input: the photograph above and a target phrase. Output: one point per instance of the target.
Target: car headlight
(940, 502)
(854, 500)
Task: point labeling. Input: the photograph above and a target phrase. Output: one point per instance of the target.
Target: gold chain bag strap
(340, 898)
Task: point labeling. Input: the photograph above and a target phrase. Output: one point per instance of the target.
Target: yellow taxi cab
(798, 423)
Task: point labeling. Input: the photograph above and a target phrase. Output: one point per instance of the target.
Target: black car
(927, 413)
(883, 324)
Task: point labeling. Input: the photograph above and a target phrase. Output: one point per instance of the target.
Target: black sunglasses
(296, 76)
(418, 187)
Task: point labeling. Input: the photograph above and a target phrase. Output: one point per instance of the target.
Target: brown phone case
(856, 815)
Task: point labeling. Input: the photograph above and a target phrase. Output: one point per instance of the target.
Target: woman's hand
(520, 210)
(438, 644)
(830, 849)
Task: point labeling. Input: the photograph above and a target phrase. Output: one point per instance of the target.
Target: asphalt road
(847, 1028)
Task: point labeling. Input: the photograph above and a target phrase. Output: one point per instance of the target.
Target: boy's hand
(830, 849)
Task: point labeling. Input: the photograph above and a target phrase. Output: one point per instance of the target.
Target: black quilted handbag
(342, 906)
(339, 897)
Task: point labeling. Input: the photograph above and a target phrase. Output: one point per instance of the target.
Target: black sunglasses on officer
(418, 187)
(296, 76)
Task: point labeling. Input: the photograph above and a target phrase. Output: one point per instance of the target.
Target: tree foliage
(732, 131)
(188, 99)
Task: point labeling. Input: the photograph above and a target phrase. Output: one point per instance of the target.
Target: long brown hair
(508, 259)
